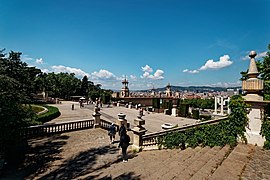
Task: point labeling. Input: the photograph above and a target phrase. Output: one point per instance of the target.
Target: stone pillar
(174, 111)
(130, 105)
(215, 105)
(229, 110)
(96, 116)
(138, 131)
(253, 87)
(222, 106)
(121, 120)
(141, 111)
(254, 125)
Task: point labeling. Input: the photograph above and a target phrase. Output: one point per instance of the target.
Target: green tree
(16, 88)
(85, 86)
(61, 85)
(265, 74)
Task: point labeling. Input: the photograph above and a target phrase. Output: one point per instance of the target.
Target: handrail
(106, 125)
(52, 128)
(60, 127)
(152, 138)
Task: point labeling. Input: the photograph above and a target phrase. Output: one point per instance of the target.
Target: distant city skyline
(152, 42)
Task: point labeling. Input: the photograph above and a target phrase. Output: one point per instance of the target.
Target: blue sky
(151, 42)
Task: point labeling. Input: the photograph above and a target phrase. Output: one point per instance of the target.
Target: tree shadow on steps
(124, 176)
(40, 152)
(84, 163)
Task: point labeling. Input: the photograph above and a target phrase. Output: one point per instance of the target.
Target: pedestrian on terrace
(124, 143)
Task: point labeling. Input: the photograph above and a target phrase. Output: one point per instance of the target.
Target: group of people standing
(124, 139)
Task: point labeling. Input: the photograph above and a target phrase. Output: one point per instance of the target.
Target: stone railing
(53, 128)
(152, 138)
(106, 125)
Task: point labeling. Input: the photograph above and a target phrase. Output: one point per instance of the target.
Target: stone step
(233, 166)
(199, 163)
(169, 171)
(258, 167)
(147, 162)
(171, 163)
(149, 165)
(208, 169)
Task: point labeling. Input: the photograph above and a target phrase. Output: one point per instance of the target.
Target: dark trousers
(124, 153)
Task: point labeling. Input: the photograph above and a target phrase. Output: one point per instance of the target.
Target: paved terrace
(88, 154)
(153, 121)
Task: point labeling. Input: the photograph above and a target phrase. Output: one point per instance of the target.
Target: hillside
(192, 88)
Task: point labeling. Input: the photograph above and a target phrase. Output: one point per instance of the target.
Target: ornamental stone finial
(253, 86)
(252, 54)
(252, 71)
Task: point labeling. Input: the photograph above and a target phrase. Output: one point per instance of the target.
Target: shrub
(265, 129)
(183, 110)
(205, 117)
(53, 112)
(37, 108)
(225, 132)
(195, 114)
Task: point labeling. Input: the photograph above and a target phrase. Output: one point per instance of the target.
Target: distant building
(168, 91)
(125, 90)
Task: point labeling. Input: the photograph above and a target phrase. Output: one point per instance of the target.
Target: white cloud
(76, 71)
(158, 75)
(191, 71)
(223, 62)
(145, 75)
(262, 54)
(39, 61)
(259, 55)
(26, 58)
(147, 68)
(45, 70)
(103, 74)
(133, 77)
(226, 84)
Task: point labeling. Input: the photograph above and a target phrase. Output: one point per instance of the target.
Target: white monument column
(215, 105)
(174, 111)
(222, 106)
(228, 108)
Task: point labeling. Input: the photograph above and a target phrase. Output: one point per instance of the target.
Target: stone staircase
(198, 163)
(259, 165)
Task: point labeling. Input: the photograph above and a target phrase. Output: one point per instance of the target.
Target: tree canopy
(19, 84)
(16, 91)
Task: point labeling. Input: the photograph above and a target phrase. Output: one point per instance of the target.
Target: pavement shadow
(124, 176)
(85, 163)
(40, 152)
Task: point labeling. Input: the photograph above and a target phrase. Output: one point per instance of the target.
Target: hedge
(226, 132)
(265, 129)
(205, 117)
(53, 112)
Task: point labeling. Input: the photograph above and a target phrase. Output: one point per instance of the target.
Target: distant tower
(153, 93)
(125, 90)
(168, 90)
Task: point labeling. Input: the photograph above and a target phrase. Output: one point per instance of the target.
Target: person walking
(124, 143)
(122, 129)
(112, 132)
